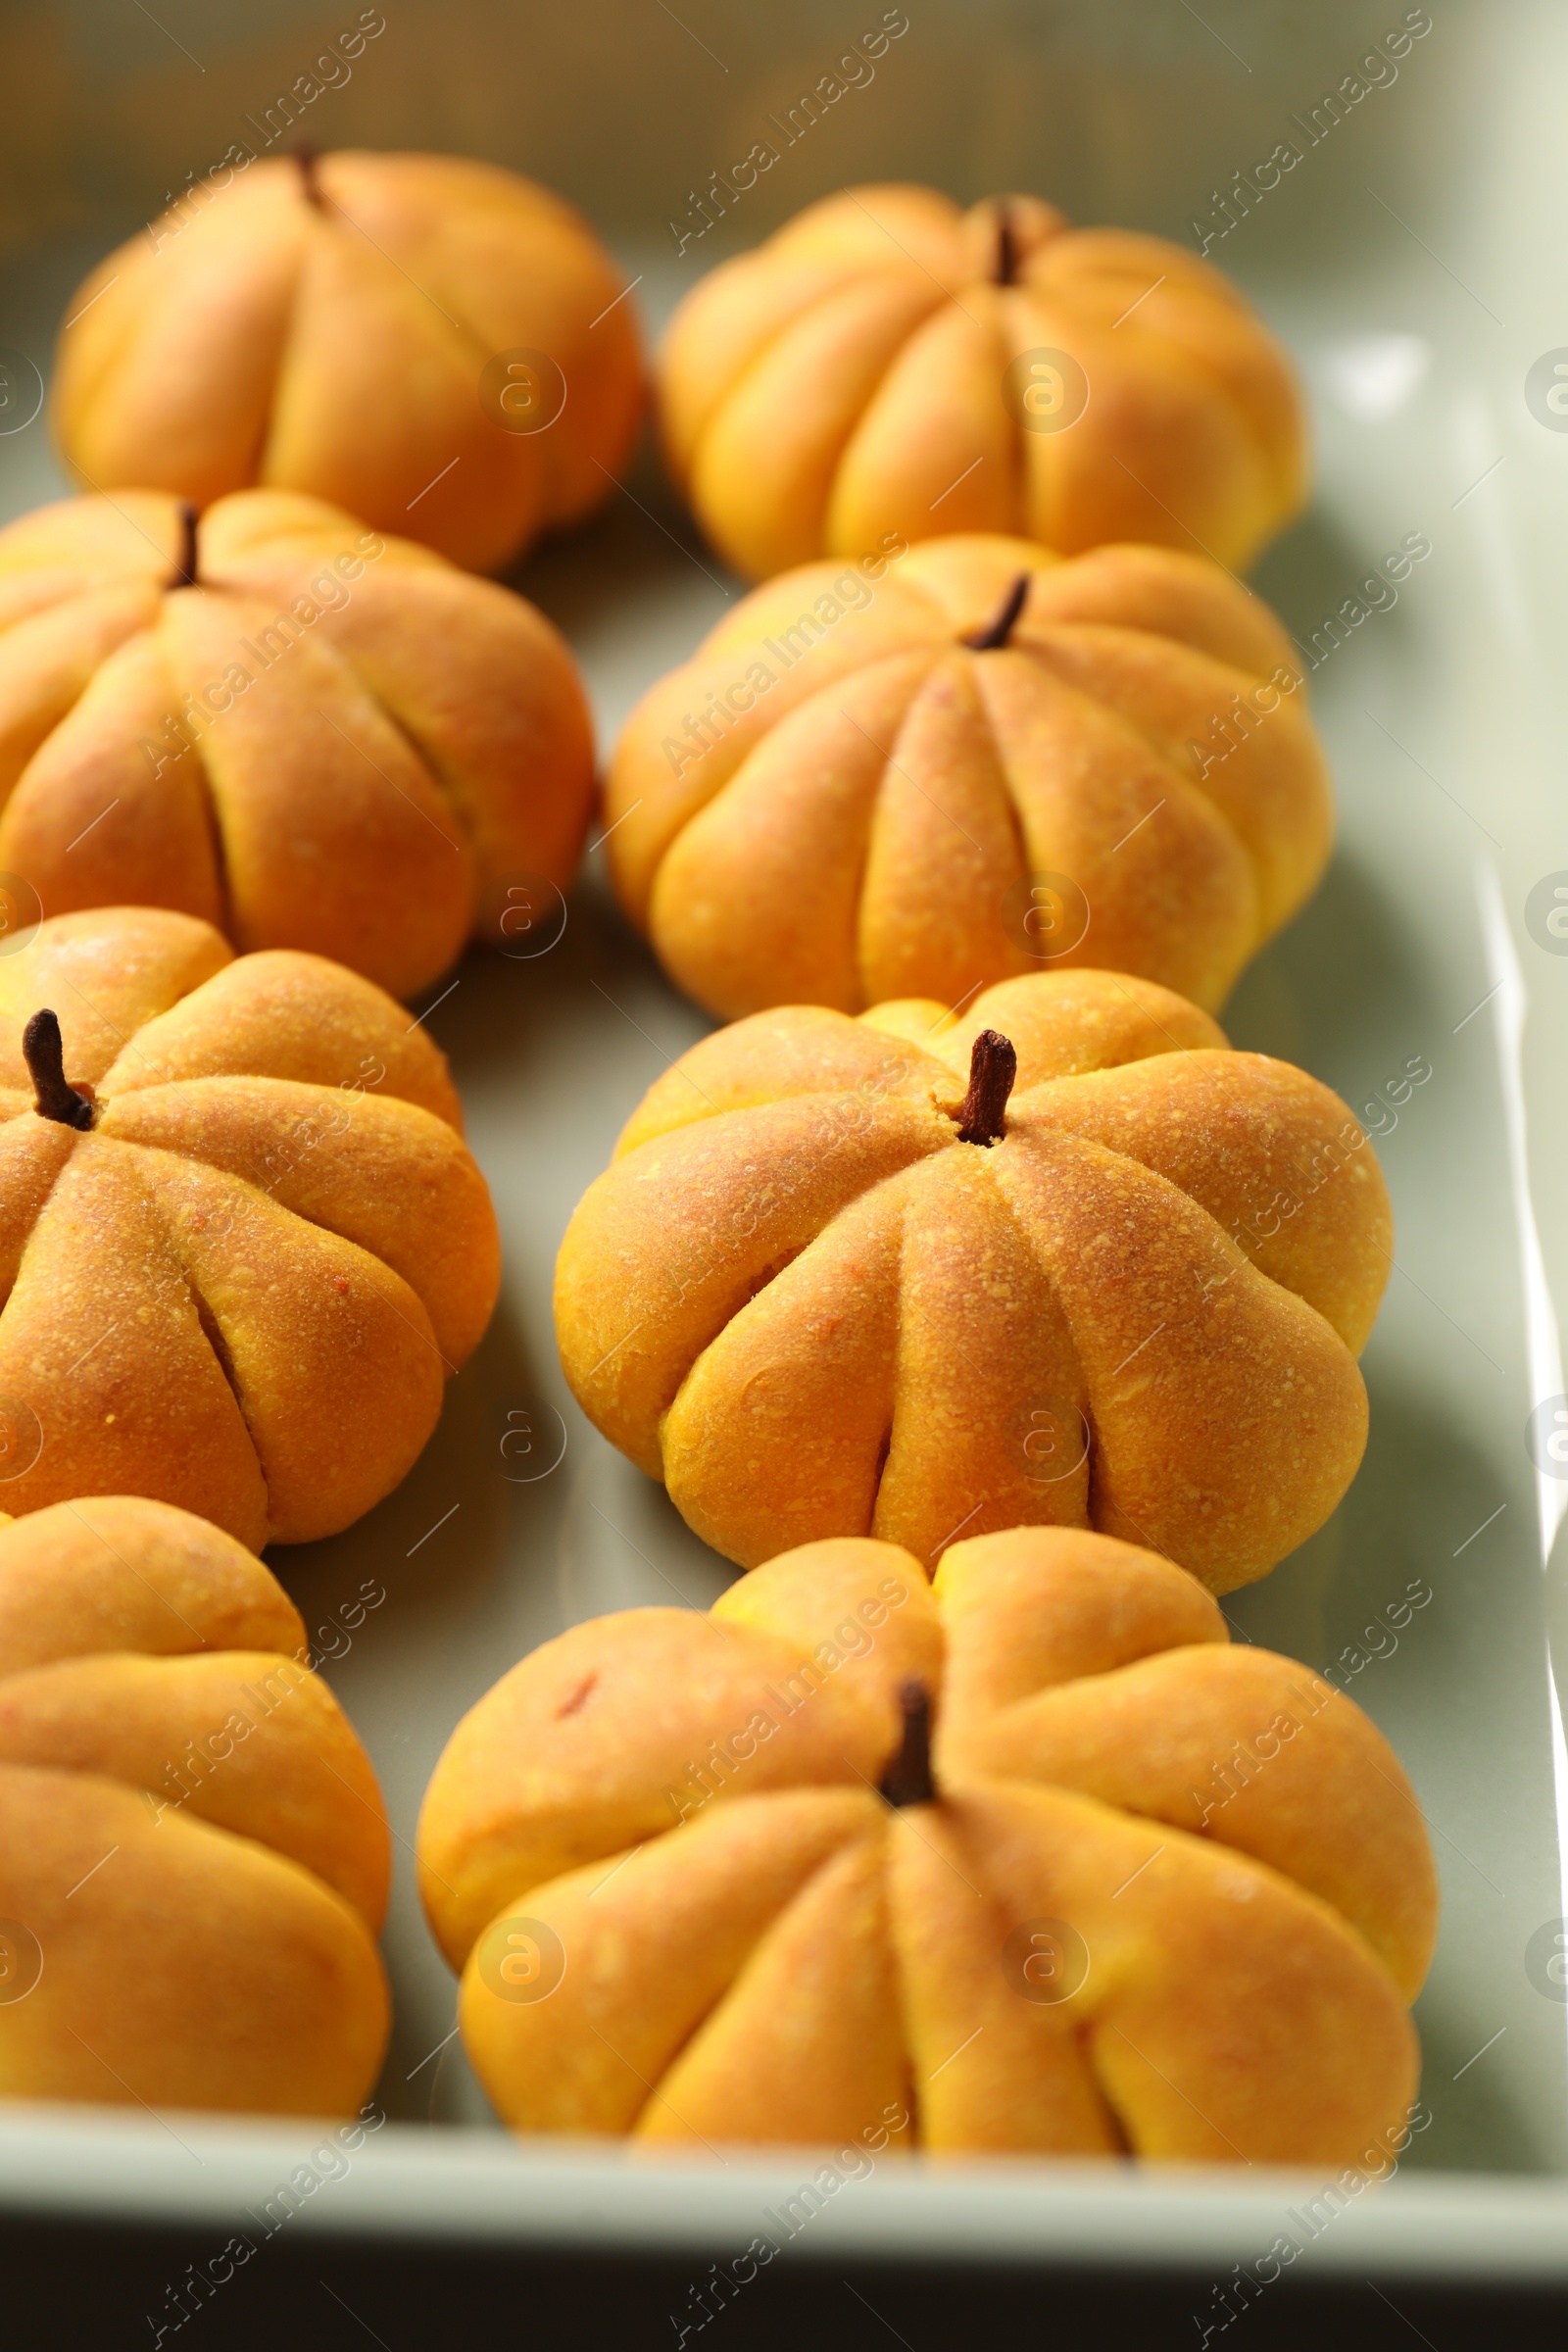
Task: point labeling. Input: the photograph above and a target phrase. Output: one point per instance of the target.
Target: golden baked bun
(914, 779)
(241, 1240)
(683, 1910)
(343, 325)
(307, 734)
(823, 1289)
(886, 363)
(193, 1852)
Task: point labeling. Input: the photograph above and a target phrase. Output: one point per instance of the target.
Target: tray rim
(453, 2187)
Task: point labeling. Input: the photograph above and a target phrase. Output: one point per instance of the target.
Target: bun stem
(185, 561)
(306, 156)
(907, 1779)
(996, 632)
(1007, 269)
(993, 1068)
(53, 1097)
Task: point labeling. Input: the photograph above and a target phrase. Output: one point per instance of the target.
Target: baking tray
(1408, 259)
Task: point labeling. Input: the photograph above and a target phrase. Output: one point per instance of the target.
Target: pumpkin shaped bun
(193, 1853)
(871, 783)
(307, 734)
(1032, 1862)
(886, 363)
(241, 1240)
(434, 343)
(1119, 1279)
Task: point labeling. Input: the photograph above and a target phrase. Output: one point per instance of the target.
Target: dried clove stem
(993, 1068)
(907, 1779)
(54, 1098)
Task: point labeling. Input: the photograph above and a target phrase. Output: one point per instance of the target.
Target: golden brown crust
(837, 801)
(240, 1291)
(824, 1980)
(747, 1946)
(249, 337)
(1025, 1611)
(109, 979)
(192, 1842)
(579, 2077)
(108, 1573)
(525, 1799)
(866, 347)
(335, 743)
(1101, 1668)
(797, 1298)
(292, 2012)
(1084, 1020)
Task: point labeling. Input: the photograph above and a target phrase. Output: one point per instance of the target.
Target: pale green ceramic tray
(1411, 261)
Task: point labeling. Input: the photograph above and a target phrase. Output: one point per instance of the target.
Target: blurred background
(1126, 111)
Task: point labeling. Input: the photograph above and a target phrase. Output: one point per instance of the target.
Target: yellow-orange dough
(341, 348)
(334, 741)
(193, 1853)
(241, 1289)
(1172, 1897)
(800, 1299)
(864, 372)
(836, 801)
